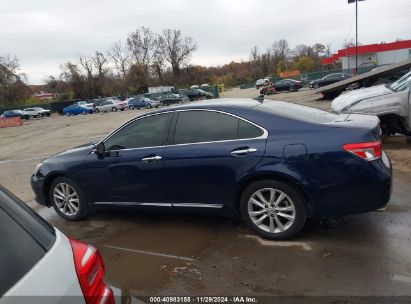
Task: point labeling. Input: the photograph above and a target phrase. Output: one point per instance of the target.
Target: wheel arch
(278, 176)
(47, 184)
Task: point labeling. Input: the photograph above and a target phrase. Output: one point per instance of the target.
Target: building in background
(371, 55)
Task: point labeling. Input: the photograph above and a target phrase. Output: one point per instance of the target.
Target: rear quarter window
(24, 238)
(18, 254)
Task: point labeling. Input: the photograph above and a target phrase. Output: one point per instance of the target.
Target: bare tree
(12, 81)
(99, 61)
(87, 64)
(159, 57)
(254, 54)
(120, 55)
(142, 44)
(177, 49)
(280, 49)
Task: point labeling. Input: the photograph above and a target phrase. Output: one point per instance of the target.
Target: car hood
(84, 149)
(344, 101)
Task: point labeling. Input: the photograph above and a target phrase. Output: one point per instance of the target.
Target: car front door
(209, 153)
(130, 171)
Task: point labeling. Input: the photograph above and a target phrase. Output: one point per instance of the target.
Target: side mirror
(100, 148)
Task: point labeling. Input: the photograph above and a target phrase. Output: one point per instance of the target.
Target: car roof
(248, 107)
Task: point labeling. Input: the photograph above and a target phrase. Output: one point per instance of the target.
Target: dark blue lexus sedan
(273, 163)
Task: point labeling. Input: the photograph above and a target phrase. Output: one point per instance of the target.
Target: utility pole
(356, 32)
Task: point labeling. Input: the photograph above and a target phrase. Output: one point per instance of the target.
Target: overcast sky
(45, 33)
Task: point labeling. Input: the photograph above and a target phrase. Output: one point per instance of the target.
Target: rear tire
(68, 199)
(273, 209)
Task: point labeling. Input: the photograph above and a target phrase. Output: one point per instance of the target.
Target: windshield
(402, 83)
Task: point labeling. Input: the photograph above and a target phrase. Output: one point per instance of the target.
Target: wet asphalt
(167, 254)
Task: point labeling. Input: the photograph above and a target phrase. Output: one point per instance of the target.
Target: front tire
(67, 199)
(131, 107)
(273, 209)
(316, 86)
(149, 106)
(114, 109)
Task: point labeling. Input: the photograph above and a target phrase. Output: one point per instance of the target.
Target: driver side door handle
(151, 158)
(243, 151)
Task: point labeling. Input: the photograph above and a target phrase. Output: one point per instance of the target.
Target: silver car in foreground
(391, 103)
(39, 264)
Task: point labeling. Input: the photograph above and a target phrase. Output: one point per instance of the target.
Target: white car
(84, 104)
(39, 264)
(111, 106)
(391, 103)
(38, 112)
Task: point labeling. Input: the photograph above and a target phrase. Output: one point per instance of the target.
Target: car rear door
(209, 152)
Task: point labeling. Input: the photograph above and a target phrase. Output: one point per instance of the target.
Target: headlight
(37, 168)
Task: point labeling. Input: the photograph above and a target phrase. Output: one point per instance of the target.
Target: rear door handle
(243, 151)
(151, 158)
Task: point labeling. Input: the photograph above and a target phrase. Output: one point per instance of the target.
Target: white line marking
(303, 245)
(401, 278)
(152, 253)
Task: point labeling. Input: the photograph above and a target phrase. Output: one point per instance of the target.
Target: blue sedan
(142, 102)
(77, 109)
(271, 163)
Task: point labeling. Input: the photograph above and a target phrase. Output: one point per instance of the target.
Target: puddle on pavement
(146, 250)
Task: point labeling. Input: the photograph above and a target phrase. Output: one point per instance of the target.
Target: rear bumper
(368, 191)
(37, 184)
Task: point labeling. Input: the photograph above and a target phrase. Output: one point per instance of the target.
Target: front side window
(149, 131)
(208, 126)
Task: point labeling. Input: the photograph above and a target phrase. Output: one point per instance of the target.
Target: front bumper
(37, 184)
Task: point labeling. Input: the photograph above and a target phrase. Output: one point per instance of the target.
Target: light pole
(356, 32)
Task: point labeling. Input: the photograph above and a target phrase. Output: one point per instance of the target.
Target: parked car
(84, 104)
(110, 106)
(275, 163)
(171, 98)
(391, 103)
(205, 94)
(16, 113)
(96, 102)
(328, 79)
(142, 102)
(290, 85)
(260, 83)
(37, 260)
(191, 94)
(37, 112)
(76, 109)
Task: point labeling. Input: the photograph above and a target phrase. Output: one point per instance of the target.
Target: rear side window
(149, 131)
(208, 126)
(247, 130)
(18, 254)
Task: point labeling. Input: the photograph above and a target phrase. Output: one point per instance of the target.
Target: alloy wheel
(66, 199)
(271, 210)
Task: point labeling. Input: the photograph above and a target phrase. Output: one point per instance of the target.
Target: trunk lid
(370, 123)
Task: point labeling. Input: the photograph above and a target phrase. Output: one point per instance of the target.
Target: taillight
(366, 150)
(90, 272)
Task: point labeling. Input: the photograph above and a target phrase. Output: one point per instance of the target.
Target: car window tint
(19, 252)
(247, 130)
(204, 126)
(149, 131)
